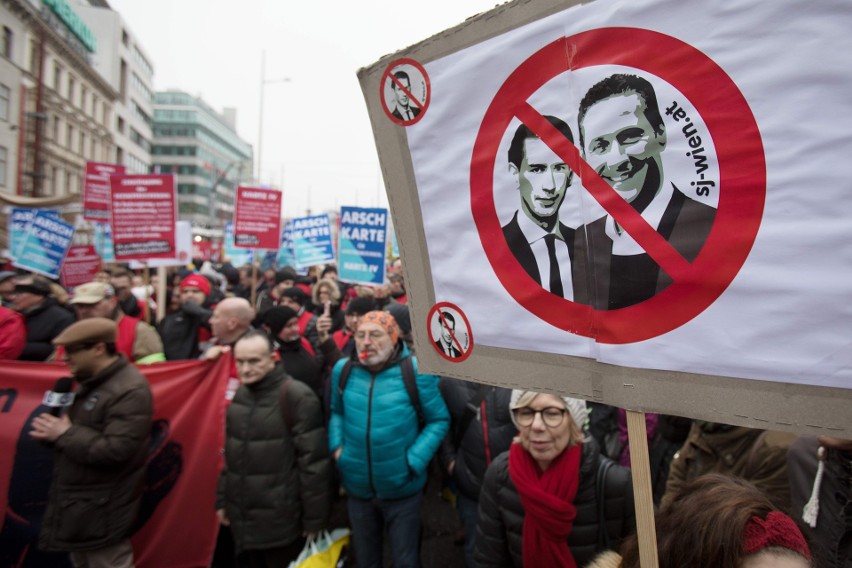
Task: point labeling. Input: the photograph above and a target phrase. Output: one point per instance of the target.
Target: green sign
(73, 21)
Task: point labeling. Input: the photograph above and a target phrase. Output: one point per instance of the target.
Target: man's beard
(380, 357)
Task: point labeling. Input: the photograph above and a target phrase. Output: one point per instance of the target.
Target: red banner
(257, 218)
(80, 265)
(177, 517)
(96, 190)
(144, 212)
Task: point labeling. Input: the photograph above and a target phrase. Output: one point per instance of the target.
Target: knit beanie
(276, 318)
(196, 281)
(576, 407)
(296, 294)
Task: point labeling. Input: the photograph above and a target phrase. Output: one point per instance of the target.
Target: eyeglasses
(551, 416)
(374, 335)
(76, 348)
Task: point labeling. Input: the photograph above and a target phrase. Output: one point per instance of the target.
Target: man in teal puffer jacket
(382, 450)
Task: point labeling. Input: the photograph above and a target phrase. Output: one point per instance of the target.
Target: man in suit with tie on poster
(404, 109)
(445, 342)
(544, 246)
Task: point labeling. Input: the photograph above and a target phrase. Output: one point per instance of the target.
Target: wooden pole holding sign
(161, 293)
(640, 468)
(253, 281)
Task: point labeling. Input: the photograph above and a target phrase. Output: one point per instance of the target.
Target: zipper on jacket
(369, 425)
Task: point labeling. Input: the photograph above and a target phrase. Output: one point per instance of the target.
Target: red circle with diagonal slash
(742, 180)
(436, 311)
(388, 76)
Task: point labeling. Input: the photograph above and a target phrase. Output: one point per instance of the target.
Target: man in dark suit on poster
(445, 342)
(544, 246)
(404, 110)
(622, 136)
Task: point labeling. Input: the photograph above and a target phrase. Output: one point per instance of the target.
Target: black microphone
(60, 397)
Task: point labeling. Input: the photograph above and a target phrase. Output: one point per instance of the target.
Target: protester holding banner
(136, 339)
(723, 522)
(552, 499)
(44, 317)
(274, 488)
(186, 332)
(101, 446)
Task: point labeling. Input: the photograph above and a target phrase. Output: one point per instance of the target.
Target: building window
(84, 95)
(69, 136)
(4, 157)
(8, 38)
(125, 39)
(71, 85)
(120, 123)
(4, 102)
(82, 147)
(56, 128)
(33, 57)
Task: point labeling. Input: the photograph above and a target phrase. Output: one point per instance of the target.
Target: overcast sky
(317, 141)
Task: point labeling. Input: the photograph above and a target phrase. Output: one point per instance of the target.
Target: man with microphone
(100, 448)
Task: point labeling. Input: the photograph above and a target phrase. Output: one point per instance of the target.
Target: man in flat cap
(100, 450)
(44, 317)
(136, 339)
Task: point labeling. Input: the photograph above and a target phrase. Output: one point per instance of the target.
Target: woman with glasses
(552, 499)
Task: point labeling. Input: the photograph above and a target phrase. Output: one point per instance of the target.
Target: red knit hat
(777, 530)
(196, 281)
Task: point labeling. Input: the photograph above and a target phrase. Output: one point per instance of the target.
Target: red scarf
(548, 501)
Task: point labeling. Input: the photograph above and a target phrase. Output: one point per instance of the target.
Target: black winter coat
(489, 433)
(44, 323)
(276, 481)
(99, 467)
(499, 531)
(179, 331)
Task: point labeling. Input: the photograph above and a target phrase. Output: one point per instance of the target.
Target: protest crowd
(329, 424)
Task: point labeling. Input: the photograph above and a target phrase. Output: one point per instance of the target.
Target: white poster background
(787, 316)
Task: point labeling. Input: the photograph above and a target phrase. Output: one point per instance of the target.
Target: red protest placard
(144, 212)
(257, 218)
(80, 265)
(96, 190)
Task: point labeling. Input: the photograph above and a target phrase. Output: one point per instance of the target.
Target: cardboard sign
(236, 256)
(362, 242)
(143, 215)
(19, 224)
(312, 243)
(81, 265)
(616, 206)
(257, 218)
(44, 246)
(96, 193)
(285, 256)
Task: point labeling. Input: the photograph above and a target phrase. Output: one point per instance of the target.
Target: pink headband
(777, 530)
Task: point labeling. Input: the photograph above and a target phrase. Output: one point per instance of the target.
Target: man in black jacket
(100, 446)
(186, 332)
(274, 488)
(43, 315)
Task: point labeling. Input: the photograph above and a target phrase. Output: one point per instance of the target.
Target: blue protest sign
(312, 240)
(103, 242)
(285, 250)
(395, 247)
(237, 256)
(43, 248)
(363, 241)
(19, 223)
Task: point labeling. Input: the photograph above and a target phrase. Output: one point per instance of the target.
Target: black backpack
(409, 378)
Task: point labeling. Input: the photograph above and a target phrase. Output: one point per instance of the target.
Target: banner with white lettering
(312, 242)
(103, 241)
(362, 243)
(236, 256)
(285, 256)
(257, 218)
(19, 224)
(96, 192)
(44, 245)
(81, 265)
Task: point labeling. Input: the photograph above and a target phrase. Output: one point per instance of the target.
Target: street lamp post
(263, 82)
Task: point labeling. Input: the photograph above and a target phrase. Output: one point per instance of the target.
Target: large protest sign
(312, 242)
(183, 254)
(257, 218)
(285, 256)
(177, 523)
(45, 242)
(616, 206)
(143, 216)
(96, 190)
(362, 240)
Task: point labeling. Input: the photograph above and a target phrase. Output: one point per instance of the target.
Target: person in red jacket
(13, 334)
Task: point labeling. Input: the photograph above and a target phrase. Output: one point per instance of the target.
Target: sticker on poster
(698, 277)
(405, 91)
(450, 332)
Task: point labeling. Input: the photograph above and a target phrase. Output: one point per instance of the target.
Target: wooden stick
(161, 293)
(640, 466)
(253, 281)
